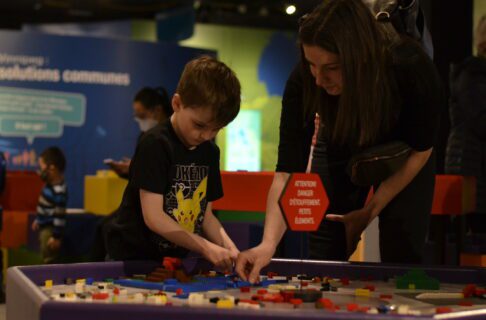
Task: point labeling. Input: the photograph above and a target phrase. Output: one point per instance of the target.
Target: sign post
(304, 203)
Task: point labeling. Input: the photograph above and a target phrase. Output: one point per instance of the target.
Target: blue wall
(108, 130)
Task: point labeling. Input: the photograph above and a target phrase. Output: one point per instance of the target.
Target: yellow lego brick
(362, 293)
(48, 284)
(411, 286)
(163, 299)
(225, 304)
(158, 299)
(103, 192)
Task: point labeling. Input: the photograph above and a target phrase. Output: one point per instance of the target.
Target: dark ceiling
(252, 13)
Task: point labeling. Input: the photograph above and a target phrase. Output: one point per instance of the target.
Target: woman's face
(141, 112)
(325, 68)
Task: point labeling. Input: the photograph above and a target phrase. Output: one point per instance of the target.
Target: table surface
(25, 283)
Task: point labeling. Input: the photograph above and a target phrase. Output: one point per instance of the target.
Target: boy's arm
(60, 202)
(159, 222)
(215, 232)
(59, 222)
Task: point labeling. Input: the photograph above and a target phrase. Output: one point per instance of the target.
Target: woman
(369, 87)
(150, 107)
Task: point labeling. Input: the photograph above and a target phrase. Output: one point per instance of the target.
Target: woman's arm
(251, 261)
(275, 225)
(293, 153)
(393, 185)
(356, 221)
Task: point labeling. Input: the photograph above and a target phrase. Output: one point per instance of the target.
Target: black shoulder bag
(375, 164)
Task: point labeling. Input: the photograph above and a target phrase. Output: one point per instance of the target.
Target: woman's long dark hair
(364, 110)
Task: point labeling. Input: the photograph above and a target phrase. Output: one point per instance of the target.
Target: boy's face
(43, 169)
(193, 125)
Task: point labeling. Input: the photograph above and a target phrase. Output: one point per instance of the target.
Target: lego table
(26, 300)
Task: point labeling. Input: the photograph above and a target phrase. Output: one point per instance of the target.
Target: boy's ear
(176, 102)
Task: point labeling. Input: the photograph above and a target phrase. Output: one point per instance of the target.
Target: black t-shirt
(421, 97)
(187, 179)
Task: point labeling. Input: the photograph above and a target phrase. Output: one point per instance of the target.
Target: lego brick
(22, 190)
(103, 192)
(473, 260)
(15, 228)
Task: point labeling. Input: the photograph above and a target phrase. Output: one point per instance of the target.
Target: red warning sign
(304, 202)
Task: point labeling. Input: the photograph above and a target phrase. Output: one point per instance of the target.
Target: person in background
(151, 106)
(466, 146)
(51, 208)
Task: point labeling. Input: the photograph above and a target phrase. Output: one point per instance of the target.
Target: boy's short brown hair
(54, 156)
(207, 82)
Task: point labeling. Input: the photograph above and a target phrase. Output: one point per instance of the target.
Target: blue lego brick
(140, 284)
(231, 285)
(171, 281)
(217, 279)
(171, 285)
(195, 287)
(266, 283)
(241, 283)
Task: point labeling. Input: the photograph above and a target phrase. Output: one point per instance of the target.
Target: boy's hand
(251, 261)
(35, 225)
(234, 252)
(221, 257)
(54, 244)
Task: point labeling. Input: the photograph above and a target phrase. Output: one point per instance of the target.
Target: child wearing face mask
(151, 106)
(51, 208)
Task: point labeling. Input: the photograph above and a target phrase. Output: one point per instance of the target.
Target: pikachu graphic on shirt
(188, 210)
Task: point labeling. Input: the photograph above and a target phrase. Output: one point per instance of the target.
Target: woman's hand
(251, 261)
(120, 167)
(355, 222)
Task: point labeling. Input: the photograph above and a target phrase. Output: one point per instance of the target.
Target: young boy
(174, 175)
(51, 209)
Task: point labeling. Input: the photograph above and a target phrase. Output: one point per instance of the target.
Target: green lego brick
(417, 279)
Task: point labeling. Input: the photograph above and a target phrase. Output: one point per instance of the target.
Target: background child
(174, 175)
(51, 209)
